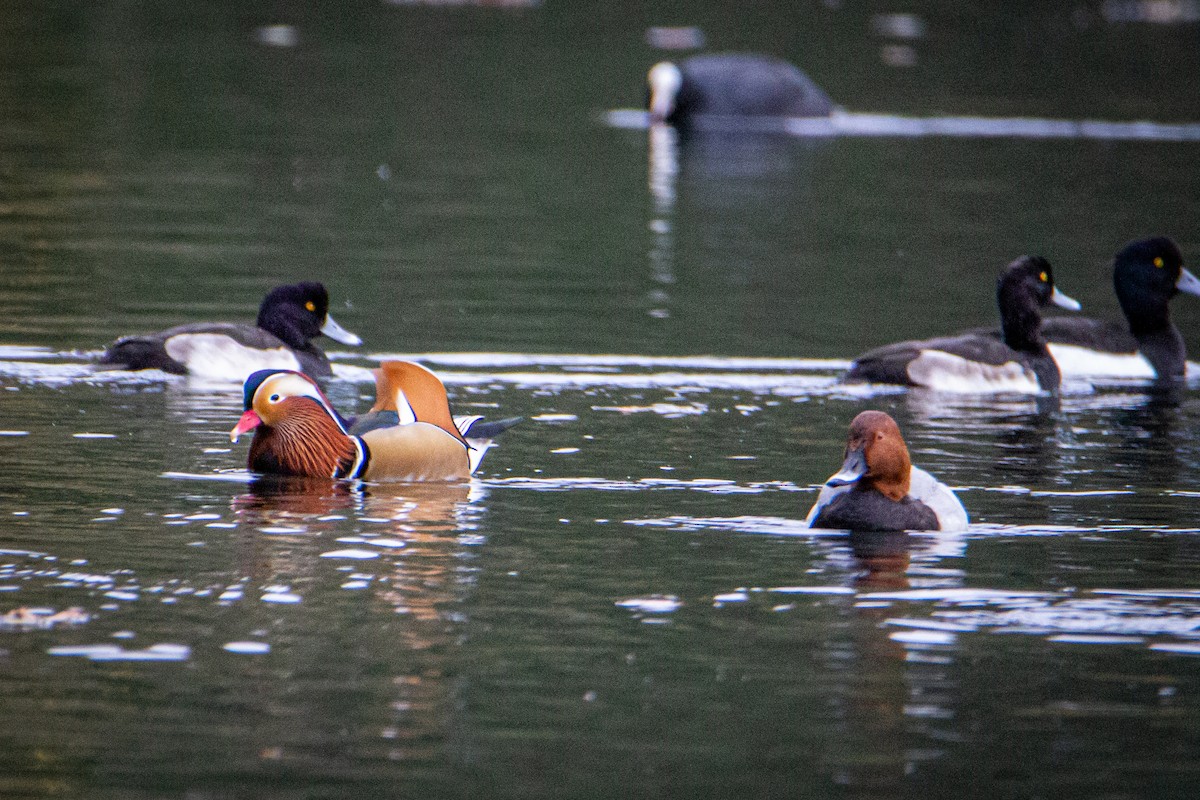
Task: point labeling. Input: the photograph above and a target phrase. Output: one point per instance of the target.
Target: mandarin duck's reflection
(274, 500)
(270, 497)
(378, 570)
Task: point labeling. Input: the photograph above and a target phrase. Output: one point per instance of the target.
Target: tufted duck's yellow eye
(1158, 262)
(1044, 278)
(310, 305)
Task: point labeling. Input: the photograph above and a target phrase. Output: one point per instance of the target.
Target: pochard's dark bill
(248, 422)
(853, 468)
(338, 333)
(1188, 283)
(1062, 301)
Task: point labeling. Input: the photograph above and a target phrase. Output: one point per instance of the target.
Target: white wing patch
(937, 495)
(1083, 362)
(478, 446)
(404, 408)
(946, 372)
(215, 355)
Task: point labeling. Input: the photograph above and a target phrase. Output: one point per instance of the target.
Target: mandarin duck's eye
(1158, 262)
(1044, 278)
(310, 305)
(274, 398)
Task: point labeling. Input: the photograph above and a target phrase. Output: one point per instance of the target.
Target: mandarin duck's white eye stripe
(285, 385)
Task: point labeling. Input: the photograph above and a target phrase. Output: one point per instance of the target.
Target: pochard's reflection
(883, 558)
(896, 692)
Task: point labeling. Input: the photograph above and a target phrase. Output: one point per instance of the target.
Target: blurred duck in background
(732, 85)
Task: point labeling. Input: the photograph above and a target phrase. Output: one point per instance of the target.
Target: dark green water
(624, 603)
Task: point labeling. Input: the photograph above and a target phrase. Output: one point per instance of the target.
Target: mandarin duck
(408, 435)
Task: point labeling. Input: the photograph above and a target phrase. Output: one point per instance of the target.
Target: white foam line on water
(238, 476)
(656, 380)
(707, 485)
(953, 595)
(728, 363)
(860, 124)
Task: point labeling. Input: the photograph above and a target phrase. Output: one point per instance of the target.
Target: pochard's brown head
(876, 456)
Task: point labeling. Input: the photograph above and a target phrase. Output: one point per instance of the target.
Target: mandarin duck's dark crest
(409, 435)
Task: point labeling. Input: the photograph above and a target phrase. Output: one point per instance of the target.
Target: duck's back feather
(214, 349)
(749, 85)
(860, 510)
(950, 362)
(937, 496)
(929, 505)
(1094, 334)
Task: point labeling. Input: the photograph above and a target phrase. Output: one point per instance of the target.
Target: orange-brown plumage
(400, 383)
(304, 440)
(879, 489)
(889, 467)
(411, 438)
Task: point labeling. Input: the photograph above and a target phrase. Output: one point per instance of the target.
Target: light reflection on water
(625, 602)
(578, 577)
(848, 123)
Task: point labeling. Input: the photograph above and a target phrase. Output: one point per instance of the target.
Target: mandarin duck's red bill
(409, 435)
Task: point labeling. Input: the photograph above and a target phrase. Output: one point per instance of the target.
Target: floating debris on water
(42, 618)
